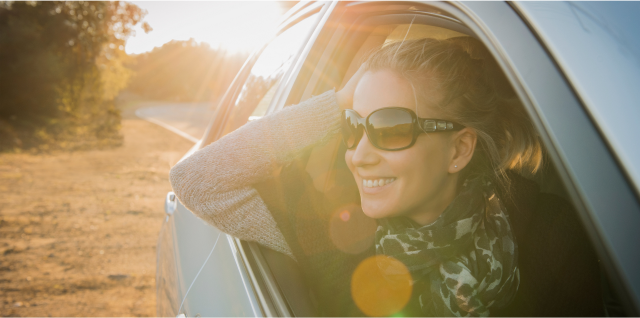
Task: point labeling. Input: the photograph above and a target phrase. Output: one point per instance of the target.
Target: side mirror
(170, 203)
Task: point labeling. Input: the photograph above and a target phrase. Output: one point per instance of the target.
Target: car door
(201, 271)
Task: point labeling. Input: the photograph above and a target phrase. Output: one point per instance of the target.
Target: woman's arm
(215, 182)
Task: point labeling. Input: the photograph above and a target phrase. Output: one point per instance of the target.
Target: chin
(382, 202)
(375, 210)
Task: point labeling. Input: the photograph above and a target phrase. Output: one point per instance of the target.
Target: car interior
(561, 273)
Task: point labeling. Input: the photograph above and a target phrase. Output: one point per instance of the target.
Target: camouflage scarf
(464, 263)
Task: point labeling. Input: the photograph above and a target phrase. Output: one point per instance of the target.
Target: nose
(365, 153)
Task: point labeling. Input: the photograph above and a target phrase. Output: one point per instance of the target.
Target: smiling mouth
(374, 183)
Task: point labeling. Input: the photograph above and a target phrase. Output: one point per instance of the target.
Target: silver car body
(576, 67)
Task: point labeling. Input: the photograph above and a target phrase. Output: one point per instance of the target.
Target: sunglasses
(390, 128)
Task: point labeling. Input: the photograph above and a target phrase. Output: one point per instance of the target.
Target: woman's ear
(464, 145)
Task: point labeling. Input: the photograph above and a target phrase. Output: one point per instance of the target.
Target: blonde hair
(477, 95)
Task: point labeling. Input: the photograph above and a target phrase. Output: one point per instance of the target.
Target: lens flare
(381, 286)
(351, 230)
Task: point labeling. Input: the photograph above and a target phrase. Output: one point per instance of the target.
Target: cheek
(424, 165)
(347, 158)
(403, 162)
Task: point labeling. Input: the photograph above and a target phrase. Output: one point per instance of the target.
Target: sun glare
(235, 26)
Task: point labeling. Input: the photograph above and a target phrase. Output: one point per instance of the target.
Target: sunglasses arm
(438, 125)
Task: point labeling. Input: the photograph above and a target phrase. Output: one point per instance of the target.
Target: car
(576, 69)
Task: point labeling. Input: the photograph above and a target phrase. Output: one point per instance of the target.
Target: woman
(432, 131)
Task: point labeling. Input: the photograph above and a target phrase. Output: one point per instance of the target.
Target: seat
(559, 269)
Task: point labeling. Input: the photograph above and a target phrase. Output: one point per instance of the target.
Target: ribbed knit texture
(215, 182)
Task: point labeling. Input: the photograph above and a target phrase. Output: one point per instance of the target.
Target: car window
(275, 60)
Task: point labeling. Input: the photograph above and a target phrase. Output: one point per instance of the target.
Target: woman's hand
(345, 95)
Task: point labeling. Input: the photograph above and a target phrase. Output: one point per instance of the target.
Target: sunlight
(234, 26)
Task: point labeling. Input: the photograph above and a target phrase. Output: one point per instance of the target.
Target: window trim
(270, 299)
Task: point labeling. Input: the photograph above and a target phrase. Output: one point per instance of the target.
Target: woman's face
(422, 185)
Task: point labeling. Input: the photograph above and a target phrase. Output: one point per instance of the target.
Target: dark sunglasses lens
(349, 129)
(391, 128)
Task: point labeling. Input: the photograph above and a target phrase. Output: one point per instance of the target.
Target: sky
(238, 26)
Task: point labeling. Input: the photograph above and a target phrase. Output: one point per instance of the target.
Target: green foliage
(61, 65)
(184, 71)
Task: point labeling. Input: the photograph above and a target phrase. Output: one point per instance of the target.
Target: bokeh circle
(381, 286)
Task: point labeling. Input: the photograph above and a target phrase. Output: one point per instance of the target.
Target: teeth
(376, 182)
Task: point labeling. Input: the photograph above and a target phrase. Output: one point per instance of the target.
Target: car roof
(597, 47)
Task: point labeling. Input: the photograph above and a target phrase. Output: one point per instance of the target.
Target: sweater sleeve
(215, 182)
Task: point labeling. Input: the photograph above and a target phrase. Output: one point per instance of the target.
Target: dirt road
(78, 230)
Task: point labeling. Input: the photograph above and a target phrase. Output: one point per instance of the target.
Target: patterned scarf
(462, 264)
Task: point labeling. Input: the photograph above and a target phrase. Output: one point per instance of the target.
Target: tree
(184, 71)
(61, 65)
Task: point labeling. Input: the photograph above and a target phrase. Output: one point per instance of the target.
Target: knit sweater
(217, 182)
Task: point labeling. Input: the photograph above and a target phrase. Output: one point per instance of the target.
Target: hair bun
(493, 75)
